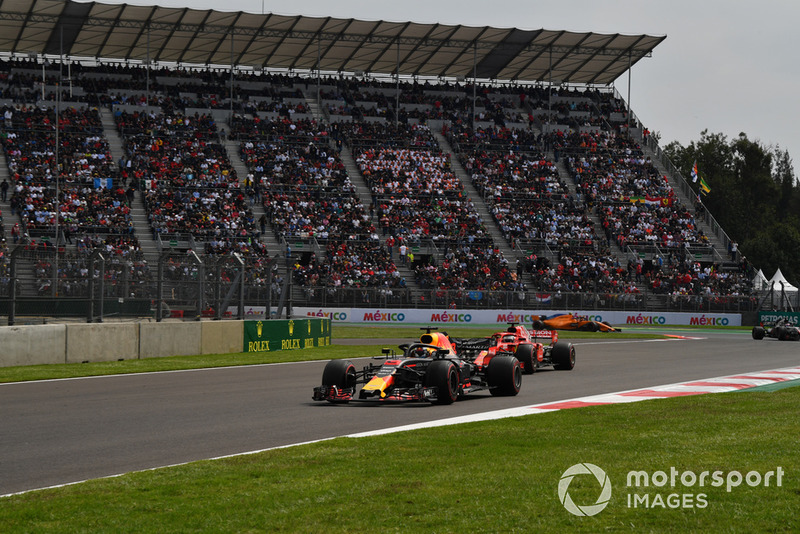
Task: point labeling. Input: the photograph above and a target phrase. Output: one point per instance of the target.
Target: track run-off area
(58, 432)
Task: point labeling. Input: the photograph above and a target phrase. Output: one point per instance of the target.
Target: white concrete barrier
(157, 340)
(103, 342)
(221, 337)
(33, 344)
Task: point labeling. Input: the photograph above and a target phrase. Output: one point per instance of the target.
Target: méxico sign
(486, 317)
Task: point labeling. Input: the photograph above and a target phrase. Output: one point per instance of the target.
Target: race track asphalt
(64, 431)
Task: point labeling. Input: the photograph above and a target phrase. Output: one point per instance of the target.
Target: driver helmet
(419, 352)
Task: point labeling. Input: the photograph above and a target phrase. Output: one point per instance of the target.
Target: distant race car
(429, 370)
(781, 330)
(525, 346)
(570, 321)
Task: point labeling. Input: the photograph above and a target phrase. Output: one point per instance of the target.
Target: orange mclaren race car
(569, 321)
(525, 346)
(429, 370)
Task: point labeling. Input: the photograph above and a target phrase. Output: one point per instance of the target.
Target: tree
(789, 197)
(755, 196)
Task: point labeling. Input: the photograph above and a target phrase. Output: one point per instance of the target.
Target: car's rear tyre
(780, 333)
(504, 375)
(758, 332)
(526, 354)
(538, 324)
(563, 356)
(443, 375)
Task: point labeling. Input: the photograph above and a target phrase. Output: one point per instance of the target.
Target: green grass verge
(174, 363)
(497, 476)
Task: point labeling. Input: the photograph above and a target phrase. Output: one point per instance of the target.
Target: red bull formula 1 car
(782, 330)
(525, 346)
(429, 370)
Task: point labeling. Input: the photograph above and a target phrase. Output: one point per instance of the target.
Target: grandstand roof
(207, 37)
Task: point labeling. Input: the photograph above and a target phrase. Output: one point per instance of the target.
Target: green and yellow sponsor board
(286, 334)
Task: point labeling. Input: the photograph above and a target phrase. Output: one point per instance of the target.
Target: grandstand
(374, 176)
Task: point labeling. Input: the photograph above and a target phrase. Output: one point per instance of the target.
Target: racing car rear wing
(551, 334)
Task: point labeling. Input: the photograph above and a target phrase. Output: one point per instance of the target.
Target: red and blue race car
(429, 370)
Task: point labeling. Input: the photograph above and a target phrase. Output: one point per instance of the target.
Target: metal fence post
(12, 310)
(102, 286)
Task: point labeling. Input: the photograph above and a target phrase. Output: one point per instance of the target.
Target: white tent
(760, 281)
(775, 283)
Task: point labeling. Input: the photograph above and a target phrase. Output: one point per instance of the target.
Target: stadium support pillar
(397, 94)
(549, 89)
(474, 81)
(147, 69)
(629, 93)
(230, 116)
(58, 178)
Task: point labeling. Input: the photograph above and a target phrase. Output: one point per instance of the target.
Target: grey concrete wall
(33, 344)
(169, 339)
(221, 337)
(102, 342)
(98, 342)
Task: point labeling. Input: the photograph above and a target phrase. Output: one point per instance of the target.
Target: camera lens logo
(590, 509)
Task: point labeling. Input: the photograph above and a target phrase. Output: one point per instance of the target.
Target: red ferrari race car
(782, 330)
(429, 370)
(525, 346)
(568, 321)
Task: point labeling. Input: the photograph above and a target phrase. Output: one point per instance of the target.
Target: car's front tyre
(340, 374)
(443, 375)
(758, 332)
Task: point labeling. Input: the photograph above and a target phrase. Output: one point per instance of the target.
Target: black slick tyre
(504, 375)
(443, 375)
(758, 332)
(339, 373)
(563, 356)
(526, 354)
